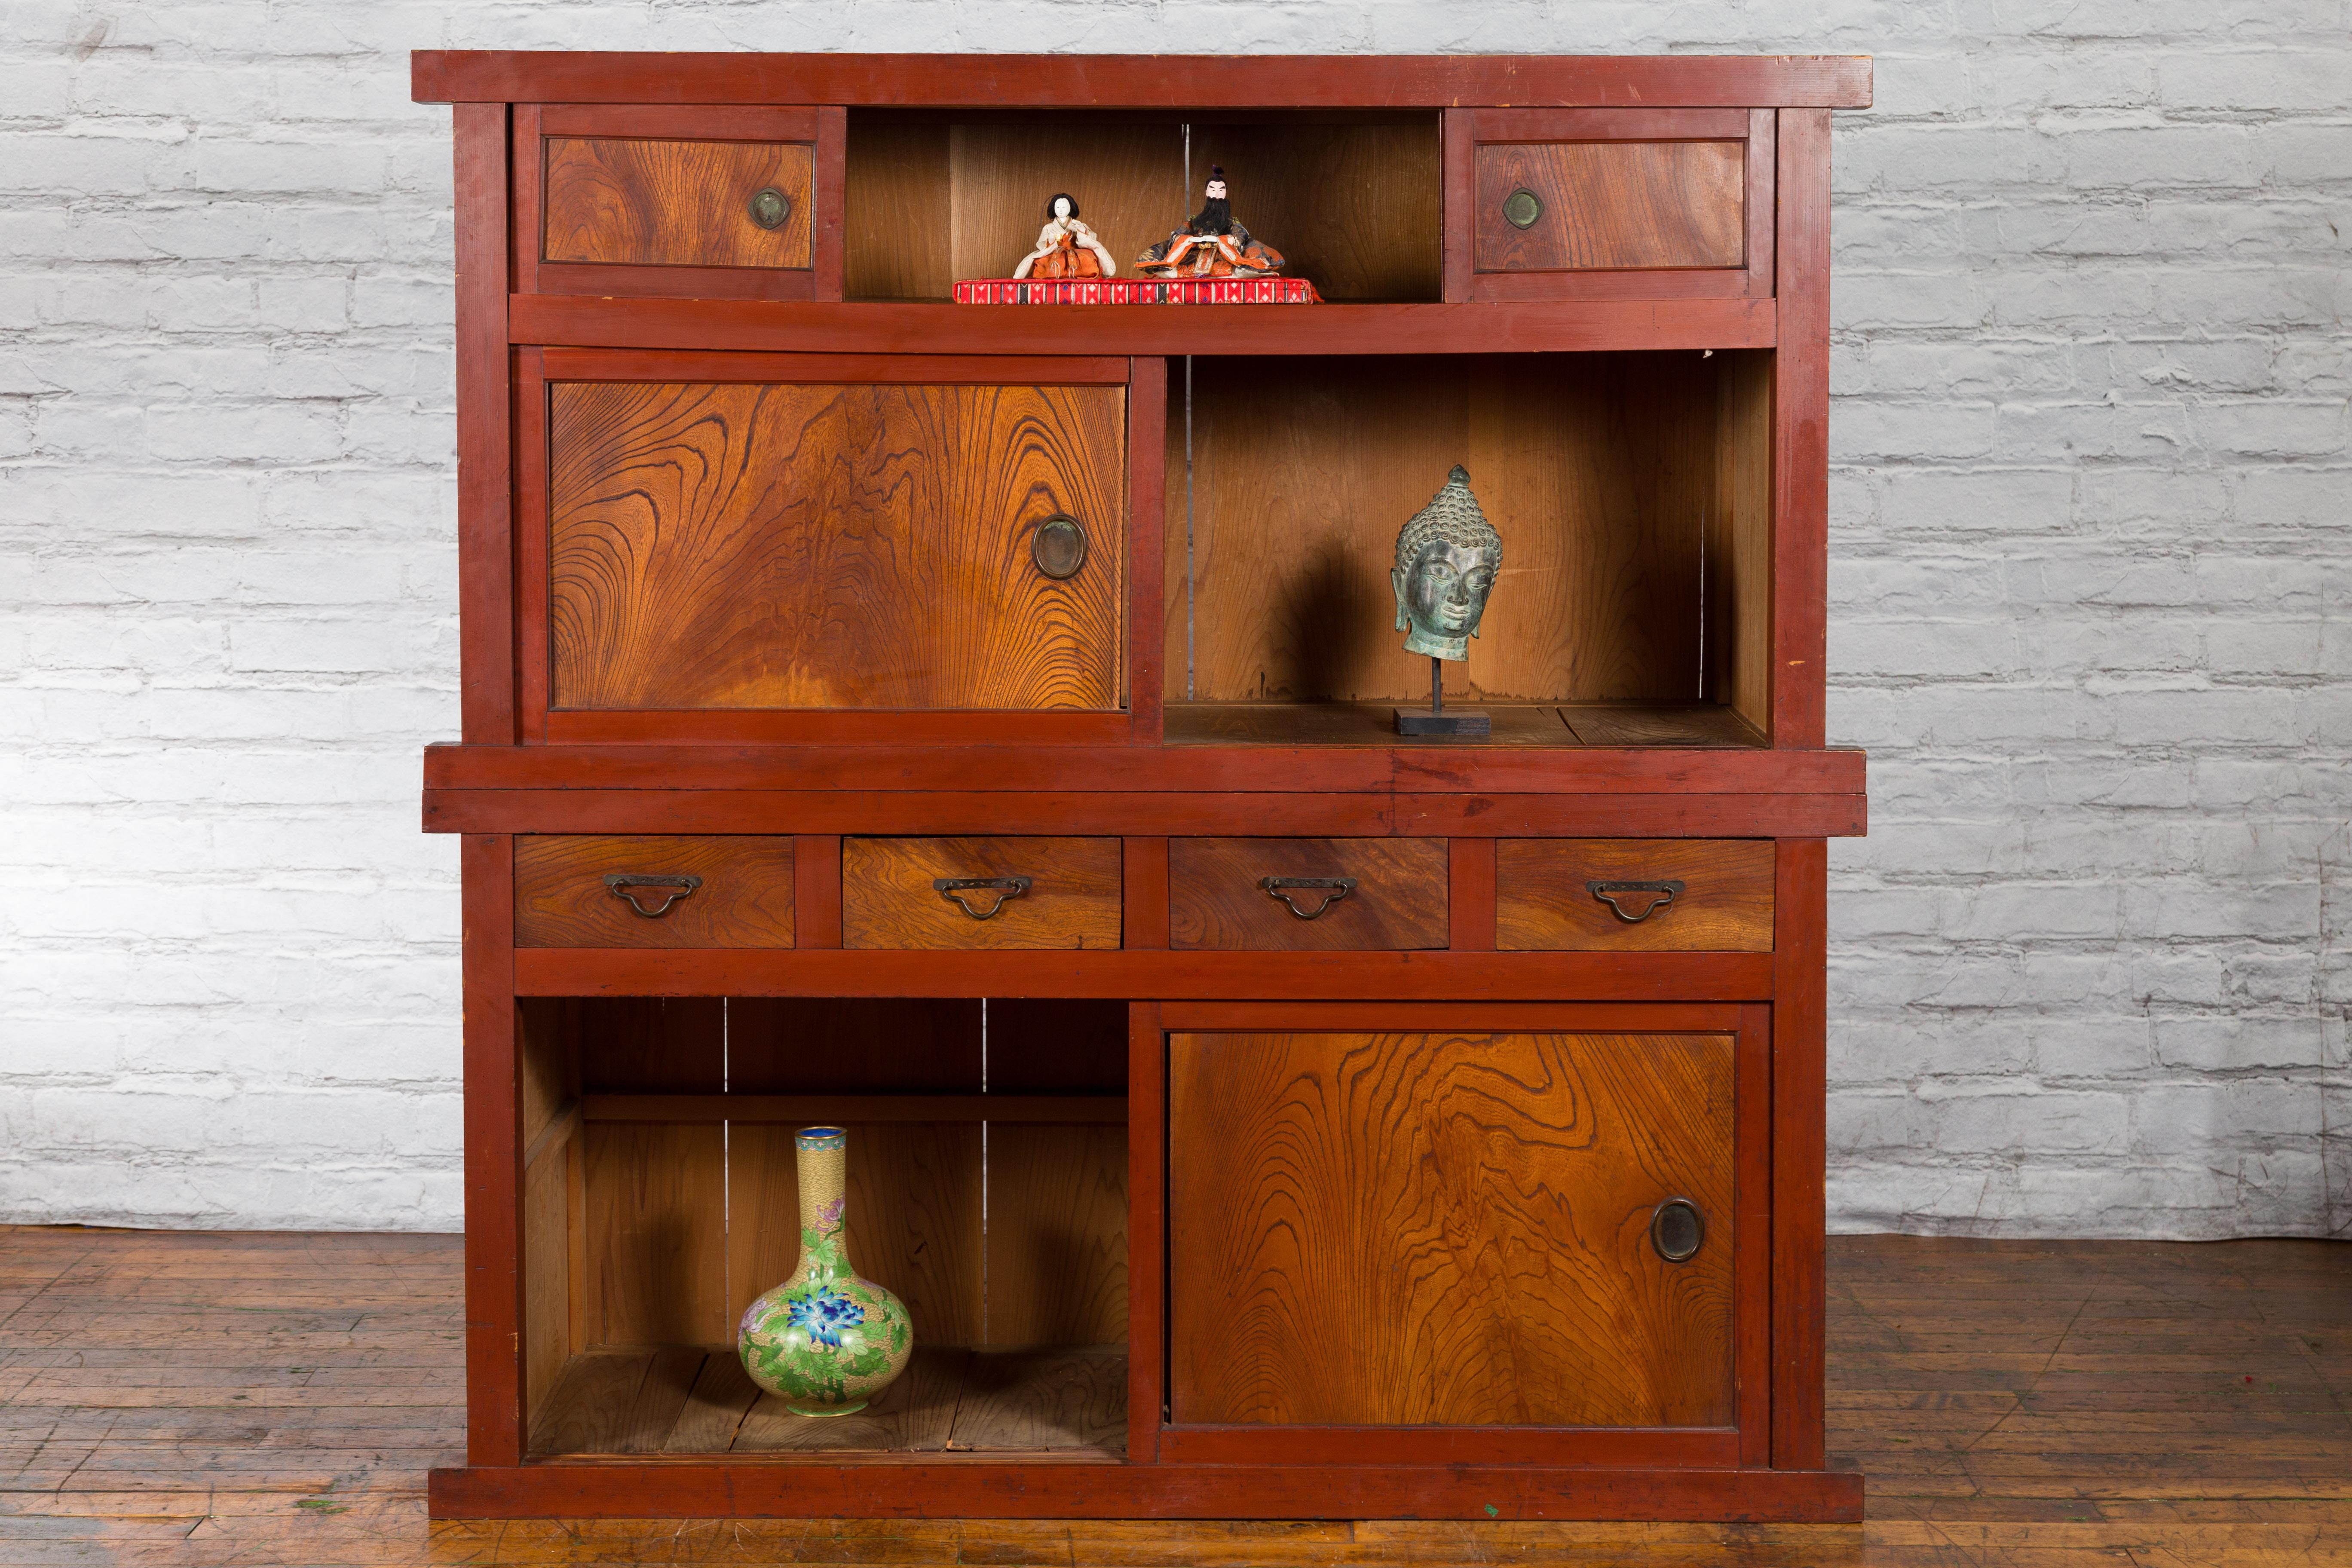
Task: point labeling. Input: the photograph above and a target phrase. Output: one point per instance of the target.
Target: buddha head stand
(1446, 557)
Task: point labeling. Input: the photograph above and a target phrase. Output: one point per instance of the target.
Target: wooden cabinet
(970, 726)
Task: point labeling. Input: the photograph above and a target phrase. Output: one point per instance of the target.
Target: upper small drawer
(1615, 203)
(1655, 895)
(681, 201)
(678, 203)
(1312, 894)
(653, 890)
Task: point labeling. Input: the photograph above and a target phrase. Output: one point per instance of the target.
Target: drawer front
(653, 892)
(654, 202)
(1218, 897)
(1584, 895)
(1614, 206)
(1448, 1229)
(892, 896)
(793, 545)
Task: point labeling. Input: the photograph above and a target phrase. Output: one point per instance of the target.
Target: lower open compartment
(986, 1187)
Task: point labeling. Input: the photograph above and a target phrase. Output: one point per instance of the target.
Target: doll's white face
(1215, 190)
(1061, 206)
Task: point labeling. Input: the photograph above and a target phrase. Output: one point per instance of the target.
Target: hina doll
(1067, 247)
(1213, 245)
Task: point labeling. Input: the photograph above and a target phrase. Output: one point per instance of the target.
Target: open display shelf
(1327, 1121)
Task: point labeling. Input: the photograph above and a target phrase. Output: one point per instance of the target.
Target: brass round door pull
(1677, 1230)
(956, 889)
(625, 885)
(770, 207)
(1059, 546)
(1522, 207)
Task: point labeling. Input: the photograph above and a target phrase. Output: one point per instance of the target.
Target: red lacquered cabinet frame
(1208, 1199)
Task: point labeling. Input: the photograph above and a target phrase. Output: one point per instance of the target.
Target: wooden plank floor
(171, 1399)
(689, 1400)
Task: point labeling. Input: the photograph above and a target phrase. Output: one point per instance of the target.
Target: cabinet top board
(1146, 82)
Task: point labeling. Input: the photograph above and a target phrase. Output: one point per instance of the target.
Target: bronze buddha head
(1446, 559)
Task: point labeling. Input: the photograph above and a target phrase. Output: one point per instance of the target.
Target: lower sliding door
(1543, 1220)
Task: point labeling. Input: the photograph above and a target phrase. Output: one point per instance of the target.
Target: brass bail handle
(955, 889)
(625, 885)
(1333, 890)
(1659, 895)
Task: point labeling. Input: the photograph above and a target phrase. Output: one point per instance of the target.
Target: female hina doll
(1066, 248)
(1213, 245)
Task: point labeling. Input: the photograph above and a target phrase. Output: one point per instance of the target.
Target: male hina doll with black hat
(1213, 245)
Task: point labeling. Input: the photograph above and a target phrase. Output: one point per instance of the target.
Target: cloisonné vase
(824, 1342)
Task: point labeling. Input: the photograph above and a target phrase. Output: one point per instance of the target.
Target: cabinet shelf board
(1204, 766)
(1579, 725)
(1222, 81)
(1528, 809)
(927, 328)
(1067, 1401)
(1343, 976)
(805, 1108)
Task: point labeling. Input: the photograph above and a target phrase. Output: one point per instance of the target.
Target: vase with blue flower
(824, 1342)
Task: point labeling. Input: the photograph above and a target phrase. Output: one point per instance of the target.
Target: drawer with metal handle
(645, 890)
(1310, 894)
(980, 892)
(1654, 895)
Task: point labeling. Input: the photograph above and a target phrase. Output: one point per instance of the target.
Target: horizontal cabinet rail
(1129, 973)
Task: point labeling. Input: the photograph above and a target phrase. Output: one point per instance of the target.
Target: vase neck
(824, 1180)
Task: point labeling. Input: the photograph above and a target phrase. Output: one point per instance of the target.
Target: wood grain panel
(915, 1414)
(546, 1277)
(652, 1045)
(853, 1045)
(888, 899)
(656, 202)
(913, 1219)
(1043, 1400)
(745, 899)
(1353, 207)
(1056, 1234)
(797, 546)
(1128, 180)
(1542, 902)
(900, 226)
(1613, 205)
(1739, 544)
(657, 1235)
(1351, 725)
(722, 1392)
(1583, 463)
(1214, 900)
(1374, 1229)
(588, 1410)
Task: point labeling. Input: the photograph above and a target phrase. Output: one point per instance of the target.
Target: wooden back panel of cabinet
(774, 544)
(1421, 1228)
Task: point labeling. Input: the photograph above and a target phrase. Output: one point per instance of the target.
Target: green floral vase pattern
(824, 1342)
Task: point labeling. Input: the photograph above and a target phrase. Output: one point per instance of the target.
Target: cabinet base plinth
(978, 1489)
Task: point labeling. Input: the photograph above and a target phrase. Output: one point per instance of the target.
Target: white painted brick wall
(2093, 513)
